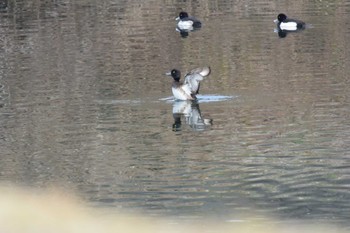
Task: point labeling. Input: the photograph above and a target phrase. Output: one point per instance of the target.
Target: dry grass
(50, 212)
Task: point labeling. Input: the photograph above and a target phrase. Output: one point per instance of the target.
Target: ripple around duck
(204, 98)
(170, 99)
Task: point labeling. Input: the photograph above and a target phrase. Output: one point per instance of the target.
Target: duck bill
(177, 18)
(168, 73)
(275, 20)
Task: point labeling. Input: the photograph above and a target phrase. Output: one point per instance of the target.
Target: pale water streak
(84, 105)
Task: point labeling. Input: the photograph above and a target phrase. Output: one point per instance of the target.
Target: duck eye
(183, 15)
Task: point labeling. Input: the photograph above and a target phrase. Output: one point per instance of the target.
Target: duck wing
(195, 76)
(196, 22)
(203, 71)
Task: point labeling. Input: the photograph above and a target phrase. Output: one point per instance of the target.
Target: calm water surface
(84, 105)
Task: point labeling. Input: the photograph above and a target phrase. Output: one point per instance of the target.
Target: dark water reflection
(81, 84)
(191, 112)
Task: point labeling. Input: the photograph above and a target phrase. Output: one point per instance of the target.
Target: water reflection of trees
(123, 33)
(58, 57)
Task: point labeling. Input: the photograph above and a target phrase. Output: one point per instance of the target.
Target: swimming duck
(188, 89)
(289, 25)
(187, 23)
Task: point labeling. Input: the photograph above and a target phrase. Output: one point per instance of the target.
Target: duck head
(176, 74)
(281, 17)
(182, 15)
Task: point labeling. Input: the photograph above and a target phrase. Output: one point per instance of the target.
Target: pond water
(85, 106)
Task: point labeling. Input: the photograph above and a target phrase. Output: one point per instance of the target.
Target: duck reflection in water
(3, 5)
(192, 114)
